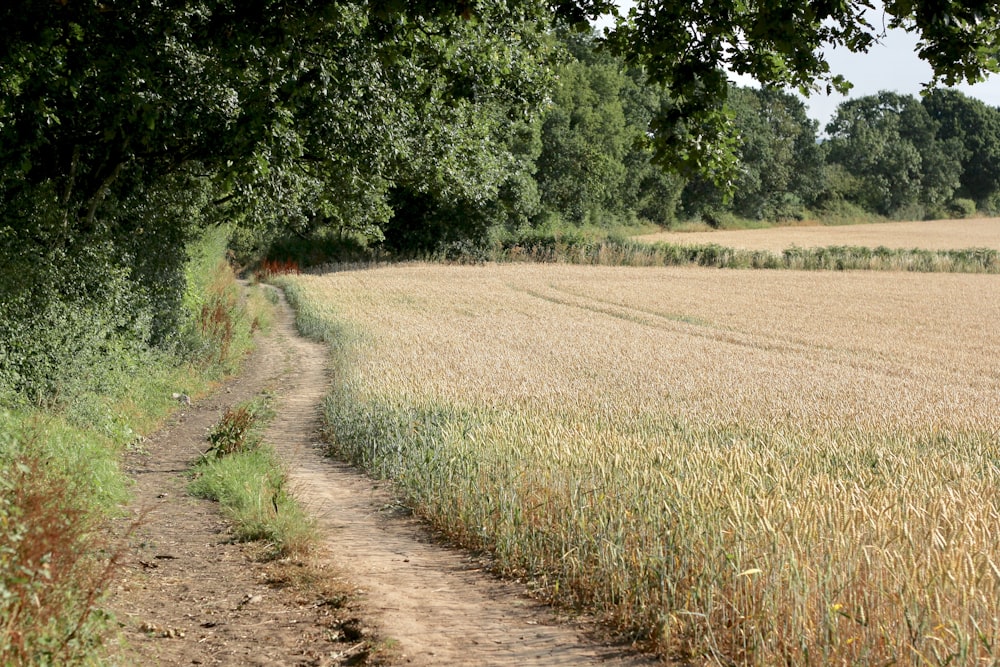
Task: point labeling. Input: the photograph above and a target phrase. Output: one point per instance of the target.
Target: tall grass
(626, 252)
(247, 478)
(54, 561)
(665, 449)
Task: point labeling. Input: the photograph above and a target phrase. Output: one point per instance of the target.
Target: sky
(892, 65)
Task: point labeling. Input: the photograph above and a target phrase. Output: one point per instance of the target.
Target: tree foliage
(780, 161)
(689, 47)
(126, 126)
(585, 136)
(889, 145)
(972, 129)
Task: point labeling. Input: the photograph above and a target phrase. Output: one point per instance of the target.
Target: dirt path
(187, 595)
(432, 605)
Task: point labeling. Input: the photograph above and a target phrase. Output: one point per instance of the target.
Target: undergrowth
(55, 564)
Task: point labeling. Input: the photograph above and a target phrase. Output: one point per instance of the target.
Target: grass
(630, 252)
(54, 563)
(744, 467)
(61, 474)
(247, 478)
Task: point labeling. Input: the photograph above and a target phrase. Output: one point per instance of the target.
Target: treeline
(587, 160)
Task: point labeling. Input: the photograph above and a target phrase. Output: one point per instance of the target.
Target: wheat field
(739, 467)
(926, 235)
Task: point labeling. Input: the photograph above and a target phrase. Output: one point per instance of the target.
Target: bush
(67, 323)
(990, 205)
(961, 208)
(842, 212)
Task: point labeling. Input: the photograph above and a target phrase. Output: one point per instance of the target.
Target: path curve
(435, 603)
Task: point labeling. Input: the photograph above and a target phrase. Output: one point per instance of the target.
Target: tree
(93, 89)
(689, 47)
(780, 163)
(889, 144)
(585, 135)
(976, 128)
(594, 162)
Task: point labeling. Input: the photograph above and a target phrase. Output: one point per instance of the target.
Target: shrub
(961, 208)
(66, 324)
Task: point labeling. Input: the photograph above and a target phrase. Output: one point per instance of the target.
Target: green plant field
(740, 467)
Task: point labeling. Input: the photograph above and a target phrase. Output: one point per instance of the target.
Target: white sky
(892, 65)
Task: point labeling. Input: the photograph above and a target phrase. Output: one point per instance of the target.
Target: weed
(240, 428)
(53, 569)
(270, 268)
(231, 434)
(612, 252)
(247, 479)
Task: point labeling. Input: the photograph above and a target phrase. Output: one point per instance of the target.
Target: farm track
(431, 605)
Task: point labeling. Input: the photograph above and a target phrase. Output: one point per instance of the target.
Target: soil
(380, 589)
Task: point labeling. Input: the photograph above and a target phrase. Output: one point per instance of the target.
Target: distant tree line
(885, 155)
(588, 160)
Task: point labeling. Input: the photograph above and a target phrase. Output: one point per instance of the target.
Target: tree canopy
(92, 88)
(973, 128)
(890, 146)
(689, 47)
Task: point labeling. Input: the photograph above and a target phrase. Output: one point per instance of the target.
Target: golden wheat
(929, 235)
(754, 467)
